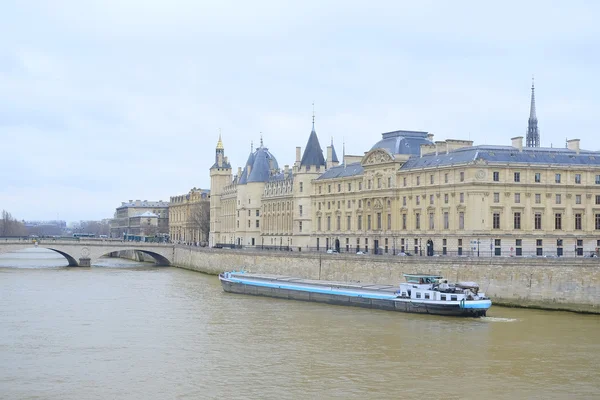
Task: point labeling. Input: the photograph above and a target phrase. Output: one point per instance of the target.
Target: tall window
(462, 176)
(431, 199)
(328, 188)
(496, 221)
(431, 221)
(496, 176)
(538, 198)
(389, 181)
(404, 222)
(538, 177)
(300, 226)
(418, 180)
(517, 220)
(378, 183)
(578, 222)
(379, 220)
(597, 179)
(496, 197)
(462, 197)
(557, 178)
(349, 186)
(348, 204)
(418, 199)
(597, 199)
(300, 210)
(517, 176)
(404, 201)
(431, 179)
(446, 198)
(338, 223)
(360, 185)
(517, 197)
(446, 220)
(577, 179)
(446, 178)
(461, 220)
(557, 221)
(558, 199)
(348, 222)
(359, 222)
(577, 199)
(319, 223)
(369, 222)
(339, 187)
(597, 222)
(417, 221)
(537, 221)
(404, 181)
(301, 187)
(369, 184)
(389, 221)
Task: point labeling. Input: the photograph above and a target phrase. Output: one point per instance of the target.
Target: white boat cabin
(423, 287)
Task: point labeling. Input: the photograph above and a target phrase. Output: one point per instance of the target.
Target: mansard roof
(342, 171)
(402, 142)
(504, 155)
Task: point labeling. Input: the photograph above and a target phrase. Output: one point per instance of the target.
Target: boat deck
(388, 289)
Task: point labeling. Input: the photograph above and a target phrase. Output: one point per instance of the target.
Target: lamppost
(477, 247)
(420, 248)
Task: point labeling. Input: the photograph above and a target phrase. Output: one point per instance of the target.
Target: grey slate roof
(261, 161)
(224, 165)
(402, 142)
(503, 155)
(342, 171)
(333, 155)
(313, 154)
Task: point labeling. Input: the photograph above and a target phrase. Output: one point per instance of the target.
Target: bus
(84, 235)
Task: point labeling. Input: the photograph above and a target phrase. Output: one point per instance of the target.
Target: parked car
(332, 251)
(404, 253)
(360, 252)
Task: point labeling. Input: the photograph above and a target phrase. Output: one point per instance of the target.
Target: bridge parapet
(85, 253)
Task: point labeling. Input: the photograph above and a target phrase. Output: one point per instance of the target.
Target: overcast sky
(103, 101)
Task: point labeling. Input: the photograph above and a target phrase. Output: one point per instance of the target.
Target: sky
(105, 101)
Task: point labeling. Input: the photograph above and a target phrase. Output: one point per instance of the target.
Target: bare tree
(9, 226)
(96, 227)
(200, 218)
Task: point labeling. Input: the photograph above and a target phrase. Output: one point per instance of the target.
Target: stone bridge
(86, 252)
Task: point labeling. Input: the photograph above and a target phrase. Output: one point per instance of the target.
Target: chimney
(440, 147)
(518, 142)
(329, 156)
(239, 174)
(298, 154)
(430, 137)
(573, 144)
(286, 171)
(226, 160)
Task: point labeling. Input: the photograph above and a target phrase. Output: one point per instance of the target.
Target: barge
(421, 293)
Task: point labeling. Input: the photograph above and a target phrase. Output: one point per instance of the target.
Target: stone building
(140, 219)
(411, 194)
(189, 217)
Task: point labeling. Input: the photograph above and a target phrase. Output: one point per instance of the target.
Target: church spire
(220, 142)
(533, 134)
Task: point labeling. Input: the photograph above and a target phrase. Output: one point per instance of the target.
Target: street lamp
(420, 247)
(477, 247)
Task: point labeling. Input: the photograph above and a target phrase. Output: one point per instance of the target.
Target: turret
(220, 176)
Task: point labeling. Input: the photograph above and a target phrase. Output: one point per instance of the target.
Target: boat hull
(391, 304)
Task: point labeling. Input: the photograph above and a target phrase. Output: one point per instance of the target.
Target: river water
(125, 330)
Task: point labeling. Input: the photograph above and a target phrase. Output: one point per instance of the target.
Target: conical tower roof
(333, 155)
(313, 154)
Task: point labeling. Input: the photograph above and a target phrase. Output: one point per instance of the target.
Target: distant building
(189, 216)
(140, 219)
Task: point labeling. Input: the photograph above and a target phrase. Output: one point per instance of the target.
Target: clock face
(85, 252)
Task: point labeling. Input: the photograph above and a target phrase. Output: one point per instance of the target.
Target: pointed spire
(220, 142)
(334, 158)
(261, 141)
(532, 114)
(533, 133)
(252, 146)
(313, 154)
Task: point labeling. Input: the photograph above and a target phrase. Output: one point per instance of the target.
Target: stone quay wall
(561, 284)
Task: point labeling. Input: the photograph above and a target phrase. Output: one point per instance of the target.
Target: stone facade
(140, 219)
(411, 194)
(189, 216)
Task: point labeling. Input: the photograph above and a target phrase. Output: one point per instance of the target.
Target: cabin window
(427, 295)
(453, 297)
(443, 297)
(403, 294)
(418, 295)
